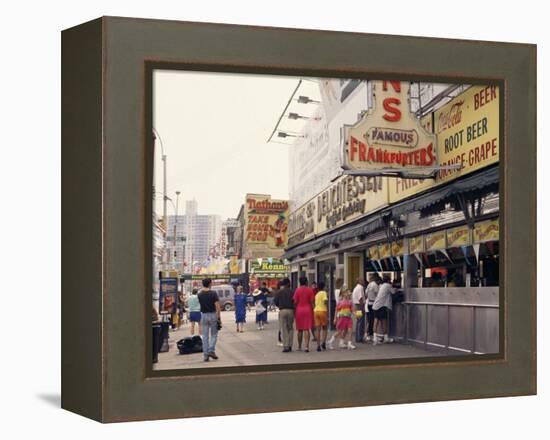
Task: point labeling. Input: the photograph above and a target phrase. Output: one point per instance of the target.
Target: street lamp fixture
(284, 134)
(306, 100)
(296, 116)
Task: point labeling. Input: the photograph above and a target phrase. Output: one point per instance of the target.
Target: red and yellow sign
(265, 227)
(486, 231)
(416, 244)
(390, 137)
(435, 240)
(467, 131)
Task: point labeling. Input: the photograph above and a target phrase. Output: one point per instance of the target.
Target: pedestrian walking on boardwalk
(283, 300)
(371, 293)
(210, 319)
(382, 307)
(320, 317)
(260, 301)
(240, 309)
(358, 299)
(194, 312)
(303, 300)
(343, 319)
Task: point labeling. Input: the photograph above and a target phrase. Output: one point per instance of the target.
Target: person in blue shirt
(240, 309)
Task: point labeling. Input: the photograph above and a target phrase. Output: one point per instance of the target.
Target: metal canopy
(374, 222)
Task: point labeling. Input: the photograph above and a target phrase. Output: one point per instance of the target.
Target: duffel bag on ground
(190, 344)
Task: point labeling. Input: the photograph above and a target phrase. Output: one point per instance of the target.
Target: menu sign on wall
(467, 129)
(389, 136)
(486, 231)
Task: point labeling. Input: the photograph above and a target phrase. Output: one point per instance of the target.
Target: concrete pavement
(259, 347)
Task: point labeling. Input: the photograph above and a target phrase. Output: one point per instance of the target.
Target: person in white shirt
(358, 299)
(371, 293)
(382, 307)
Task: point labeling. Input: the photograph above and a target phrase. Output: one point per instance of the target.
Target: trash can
(157, 330)
(164, 335)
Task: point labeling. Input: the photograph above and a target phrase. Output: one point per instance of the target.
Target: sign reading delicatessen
(347, 199)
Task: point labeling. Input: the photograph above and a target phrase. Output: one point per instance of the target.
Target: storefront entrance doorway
(326, 270)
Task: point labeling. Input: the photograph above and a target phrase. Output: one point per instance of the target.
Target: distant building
(195, 235)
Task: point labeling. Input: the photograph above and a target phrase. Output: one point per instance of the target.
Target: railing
(464, 320)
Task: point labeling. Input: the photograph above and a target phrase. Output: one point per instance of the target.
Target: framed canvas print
(264, 219)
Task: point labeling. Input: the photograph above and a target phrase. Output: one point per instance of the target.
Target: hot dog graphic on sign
(389, 137)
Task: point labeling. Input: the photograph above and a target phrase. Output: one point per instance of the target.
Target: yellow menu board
(435, 240)
(459, 236)
(486, 231)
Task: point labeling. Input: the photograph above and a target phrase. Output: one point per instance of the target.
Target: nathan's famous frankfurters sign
(467, 129)
(389, 136)
(266, 224)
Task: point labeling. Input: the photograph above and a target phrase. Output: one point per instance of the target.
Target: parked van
(226, 295)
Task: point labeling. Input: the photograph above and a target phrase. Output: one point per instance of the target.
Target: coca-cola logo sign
(451, 118)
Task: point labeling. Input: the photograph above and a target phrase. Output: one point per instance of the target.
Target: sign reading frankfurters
(389, 138)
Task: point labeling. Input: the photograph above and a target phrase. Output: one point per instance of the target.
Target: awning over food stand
(471, 183)
(368, 225)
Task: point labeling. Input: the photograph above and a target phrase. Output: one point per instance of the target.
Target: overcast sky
(214, 129)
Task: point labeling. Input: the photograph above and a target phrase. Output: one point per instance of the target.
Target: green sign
(276, 266)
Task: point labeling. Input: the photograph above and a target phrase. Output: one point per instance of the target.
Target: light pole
(175, 231)
(156, 135)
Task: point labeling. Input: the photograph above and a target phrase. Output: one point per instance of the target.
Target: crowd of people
(305, 311)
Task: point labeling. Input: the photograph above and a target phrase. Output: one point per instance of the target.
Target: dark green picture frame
(107, 167)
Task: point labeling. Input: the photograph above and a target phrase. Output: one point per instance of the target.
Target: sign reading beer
(467, 129)
(486, 231)
(389, 136)
(266, 224)
(346, 200)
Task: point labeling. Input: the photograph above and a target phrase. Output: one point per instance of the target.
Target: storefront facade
(437, 238)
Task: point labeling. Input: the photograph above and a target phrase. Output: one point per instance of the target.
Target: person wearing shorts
(194, 312)
(343, 319)
(382, 307)
(320, 317)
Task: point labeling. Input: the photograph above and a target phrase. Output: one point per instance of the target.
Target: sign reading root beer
(389, 137)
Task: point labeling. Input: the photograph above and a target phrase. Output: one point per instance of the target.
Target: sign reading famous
(389, 137)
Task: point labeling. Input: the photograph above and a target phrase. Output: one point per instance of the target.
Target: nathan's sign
(266, 224)
(389, 136)
(347, 199)
(467, 129)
